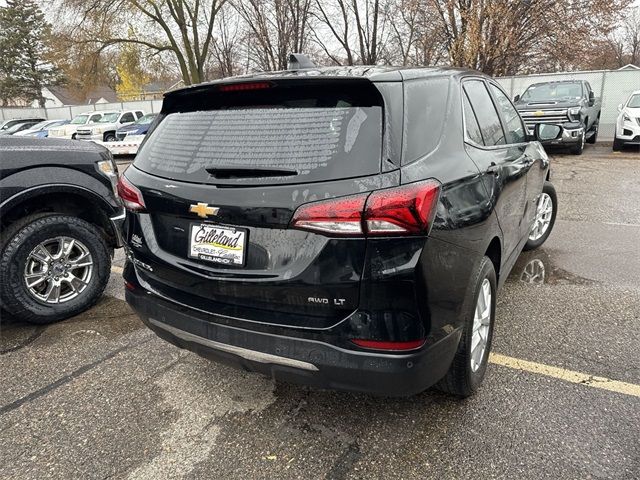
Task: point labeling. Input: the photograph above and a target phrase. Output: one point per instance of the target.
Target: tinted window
(425, 112)
(470, 122)
(316, 135)
(95, 118)
(127, 118)
(485, 113)
(513, 124)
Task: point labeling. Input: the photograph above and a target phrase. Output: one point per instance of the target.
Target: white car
(69, 130)
(628, 123)
(104, 130)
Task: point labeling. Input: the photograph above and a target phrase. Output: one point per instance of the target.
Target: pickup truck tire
(594, 138)
(579, 147)
(72, 288)
(469, 365)
(110, 137)
(617, 145)
(532, 243)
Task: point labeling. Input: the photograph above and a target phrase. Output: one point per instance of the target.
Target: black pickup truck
(571, 104)
(60, 220)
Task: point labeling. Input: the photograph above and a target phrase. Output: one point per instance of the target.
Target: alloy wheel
(58, 270)
(544, 213)
(481, 325)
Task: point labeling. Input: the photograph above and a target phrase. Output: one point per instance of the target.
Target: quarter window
(513, 124)
(127, 118)
(471, 122)
(486, 113)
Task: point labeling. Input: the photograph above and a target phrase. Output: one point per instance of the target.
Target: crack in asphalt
(345, 462)
(65, 379)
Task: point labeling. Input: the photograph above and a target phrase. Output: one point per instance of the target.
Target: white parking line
(566, 375)
(116, 269)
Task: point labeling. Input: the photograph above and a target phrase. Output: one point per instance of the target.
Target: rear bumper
(117, 224)
(294, 359)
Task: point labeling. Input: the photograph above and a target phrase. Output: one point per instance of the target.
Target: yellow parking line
(566, 375)
(116, 269)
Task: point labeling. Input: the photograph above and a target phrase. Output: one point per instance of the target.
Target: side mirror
(516, 98)
(545, 132)
(620, 107)
(592, 99)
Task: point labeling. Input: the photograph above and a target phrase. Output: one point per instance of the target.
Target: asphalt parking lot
(99, 396)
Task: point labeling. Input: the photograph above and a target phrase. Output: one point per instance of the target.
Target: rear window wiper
(248, 172)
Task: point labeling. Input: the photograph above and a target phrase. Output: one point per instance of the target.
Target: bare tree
(182, 27)
(275, 29)
(357, 26)
(226, 47)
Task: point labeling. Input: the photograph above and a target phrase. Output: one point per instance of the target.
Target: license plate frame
(213, 255)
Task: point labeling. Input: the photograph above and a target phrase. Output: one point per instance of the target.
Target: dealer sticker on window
(217, 244)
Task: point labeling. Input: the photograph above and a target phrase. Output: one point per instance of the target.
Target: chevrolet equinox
(344, 227)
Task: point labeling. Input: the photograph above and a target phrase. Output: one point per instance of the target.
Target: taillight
(130, 195)
(405, 210)
(390, 346)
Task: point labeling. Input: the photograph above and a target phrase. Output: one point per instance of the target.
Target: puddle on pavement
(536, 268)
(110, 318)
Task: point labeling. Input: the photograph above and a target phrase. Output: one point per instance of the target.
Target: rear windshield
(280, 136)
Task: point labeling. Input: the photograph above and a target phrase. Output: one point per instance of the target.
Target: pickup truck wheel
(546, 210)
(579, 147)
(470, 362)
(52, 267)
(594, 138)
(110, 137)
(617, 145)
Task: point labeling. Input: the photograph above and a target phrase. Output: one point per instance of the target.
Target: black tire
(550, 190)
(617, 145)
(594, 138)
(579, 147)
(110, 137)
(461, 380)
(21, 238)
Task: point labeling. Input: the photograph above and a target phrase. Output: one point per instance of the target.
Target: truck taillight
(404, 210)
(130, 194)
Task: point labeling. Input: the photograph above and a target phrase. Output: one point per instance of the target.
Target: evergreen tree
(24, 68)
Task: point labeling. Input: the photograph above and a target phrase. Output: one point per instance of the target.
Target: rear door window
(293, 135)
(486, 113)
(472, 129)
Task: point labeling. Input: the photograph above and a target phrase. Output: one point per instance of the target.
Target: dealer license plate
(217, 244)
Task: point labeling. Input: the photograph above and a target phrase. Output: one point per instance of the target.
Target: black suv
(59, 222)
(340, 227)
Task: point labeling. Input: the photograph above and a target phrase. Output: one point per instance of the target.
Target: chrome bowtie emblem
(203, 210)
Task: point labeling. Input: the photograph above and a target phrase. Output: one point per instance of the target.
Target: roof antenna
(299, 61)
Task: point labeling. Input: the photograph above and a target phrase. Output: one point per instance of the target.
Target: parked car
(59, 222)
(41, 130)
(69, 131)
(18, 127)
(7, 124)
(570, 103)
(104, 130)
(139, 127)
(340, 227)
(628, 122)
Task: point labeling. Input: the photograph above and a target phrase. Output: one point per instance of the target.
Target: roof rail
(299, 61)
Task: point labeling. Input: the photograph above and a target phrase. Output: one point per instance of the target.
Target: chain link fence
(612, 86)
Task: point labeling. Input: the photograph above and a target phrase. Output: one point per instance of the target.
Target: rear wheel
(52, 267)
(110, 137)
(470, 362)
(546, 209)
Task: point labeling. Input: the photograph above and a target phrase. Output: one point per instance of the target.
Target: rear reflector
(391, 346)
(130, 195)
(243, 87)
(129, 286)
(405, 210)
